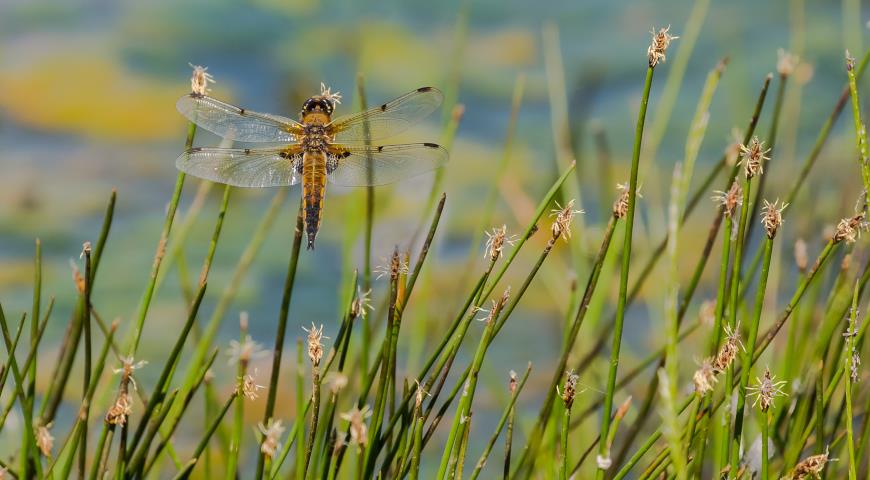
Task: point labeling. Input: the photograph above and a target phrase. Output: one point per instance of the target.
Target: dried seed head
(120, 410)
(753, 157)
(849, 229)
(570, 389)
(393, 267)
(730, 200)
(729, 349)
(248, 387)
(854, 359)
(659, 45)
(362, 303)
(358, 429)
(766, 390)
(564, 216)
(786, 62)
(771, 217)
(327, 94)
(620, 206)
(200, 79)
(420, 395)
(128, 366)
(705, 377)
(272, 433)
(512, 383)
(800, 255)
(811, 466)
(44, 440)
(496, 240)
(315, 346)
(850, 61)
(245, 351)
(86, 250)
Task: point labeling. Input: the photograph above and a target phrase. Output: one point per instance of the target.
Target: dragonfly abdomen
(313, 191)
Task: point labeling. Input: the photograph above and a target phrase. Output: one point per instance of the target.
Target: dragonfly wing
(242, 167)
(358, 166)
(388, 119)
(236, 123)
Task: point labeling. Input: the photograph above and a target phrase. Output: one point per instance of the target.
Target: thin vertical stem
(603, 450)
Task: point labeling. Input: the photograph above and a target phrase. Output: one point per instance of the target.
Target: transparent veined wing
(236, 123)
(267, 167)
(358, 166)
(388, 119)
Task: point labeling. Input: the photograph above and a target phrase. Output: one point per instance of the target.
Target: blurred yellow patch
(90, 96)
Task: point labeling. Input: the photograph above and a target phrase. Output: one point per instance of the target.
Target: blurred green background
(87, 104)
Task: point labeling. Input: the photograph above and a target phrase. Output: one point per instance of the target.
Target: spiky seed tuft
(200, 79)
(315, 344)
(563, 218)
(730, 200)
(659, 45)
(766, 390)
(771, 217)
(754, 154)
(272, 433)
(705, 377)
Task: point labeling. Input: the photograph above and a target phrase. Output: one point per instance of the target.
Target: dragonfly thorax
(314, 139)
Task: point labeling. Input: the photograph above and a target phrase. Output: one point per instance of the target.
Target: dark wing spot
(195, 149)
(381, 148)
(241, 111)
(431, 145)
(195, 95)
(384, 107)
(345, 154)
(424, 89)
(247, 151)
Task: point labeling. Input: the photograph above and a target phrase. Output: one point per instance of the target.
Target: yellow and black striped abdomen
(313, 191)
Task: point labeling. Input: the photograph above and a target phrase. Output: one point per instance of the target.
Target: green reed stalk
(301, 412)
(849, 365)
(34, 317)
(188, 468)
(860, 130)
(212, 246)
(370, 216)
(750, 348)
(28, 361)
(506, 415)
(603, 451)
(86, 321)
(238, 410)
(145, 302)
(278, 350)
(767, 338)
(765, 440)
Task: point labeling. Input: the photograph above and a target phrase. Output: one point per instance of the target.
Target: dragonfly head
(318, 104)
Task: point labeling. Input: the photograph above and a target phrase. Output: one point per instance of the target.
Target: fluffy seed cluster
(272, 433)
(327, 94)
(786, 62)
(563, 218)
(419, 395)
(730, 200)
(44, 439)
(659, 45)
(570, 389)
(315, 344)
(705, 377)
(810, 467)
(771, 216)
(120, 410)
(766, 390)
(729, 349)
(620, 206)
(200, 79)
(245, 351)
(128, 366)
(495, 242)
(358, 430)
(854, 359)
(392, 268)
(362, 303)
(753, 157)
(248, 387)
(849, 229)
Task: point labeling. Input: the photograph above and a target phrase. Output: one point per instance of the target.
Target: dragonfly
(313, 150)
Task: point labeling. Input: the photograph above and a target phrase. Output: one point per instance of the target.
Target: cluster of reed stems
(762, 402)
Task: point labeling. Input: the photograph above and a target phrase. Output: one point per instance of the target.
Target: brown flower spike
(315, 346)
(766, 390)
(849, 229)
(753, 157)
(570, 389)
(771, 217)
(705, 377)
(200, 79)
(564, 218)
(661, 40)
(730, 200)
